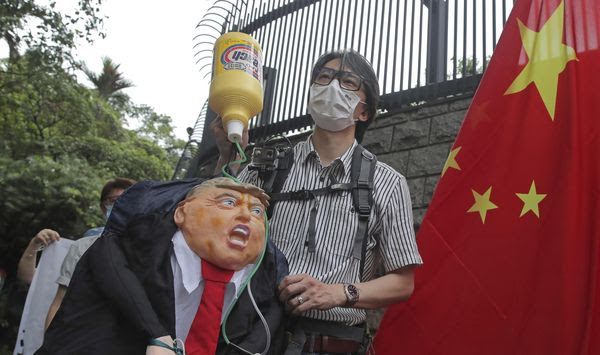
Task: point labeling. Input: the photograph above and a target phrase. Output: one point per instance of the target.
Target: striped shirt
(390, 238)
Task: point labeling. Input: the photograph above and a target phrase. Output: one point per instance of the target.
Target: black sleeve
(244, 327)
(275, 269)
(280, 261)
(118, 283)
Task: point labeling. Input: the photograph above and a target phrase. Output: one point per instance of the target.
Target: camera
(266, 159)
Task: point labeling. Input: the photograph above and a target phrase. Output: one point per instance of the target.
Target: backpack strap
(361, 187)
(363, 170)
(273, 181)
(309, 194)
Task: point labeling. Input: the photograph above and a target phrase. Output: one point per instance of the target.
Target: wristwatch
(352, 294)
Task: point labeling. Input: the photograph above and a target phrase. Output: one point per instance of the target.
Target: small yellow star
(531, 200)
(548, 57)
(482, 203)
(451, 161)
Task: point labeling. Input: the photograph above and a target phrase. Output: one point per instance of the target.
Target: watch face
(352, 291)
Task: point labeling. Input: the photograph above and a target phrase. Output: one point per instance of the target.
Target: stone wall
(416, 142)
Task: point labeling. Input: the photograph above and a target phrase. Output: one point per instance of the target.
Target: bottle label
(240, 56)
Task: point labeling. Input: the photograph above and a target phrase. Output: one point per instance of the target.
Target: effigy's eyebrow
(228, 194)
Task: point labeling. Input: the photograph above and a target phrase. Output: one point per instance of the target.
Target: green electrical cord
(242, 160)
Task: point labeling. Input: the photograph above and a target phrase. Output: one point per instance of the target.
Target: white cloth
(188, 285)
(40, 296)
(76, 250)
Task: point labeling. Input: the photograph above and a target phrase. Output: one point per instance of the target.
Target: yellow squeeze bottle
(236, 91)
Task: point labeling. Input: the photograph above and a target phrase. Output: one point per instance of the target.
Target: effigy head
(223, 222)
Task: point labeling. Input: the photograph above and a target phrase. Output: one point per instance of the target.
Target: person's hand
(223, 144)
(42, 239)
(26, 268)
(159, 350)
(303, 292)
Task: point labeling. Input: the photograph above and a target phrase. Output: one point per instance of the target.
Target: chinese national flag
(511, 240)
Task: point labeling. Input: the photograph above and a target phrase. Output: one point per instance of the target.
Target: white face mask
(331, 107)
(108, 211)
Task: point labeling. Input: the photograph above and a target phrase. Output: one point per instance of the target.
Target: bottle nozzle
(235, 131)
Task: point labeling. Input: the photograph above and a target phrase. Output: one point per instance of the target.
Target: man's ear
(179, 215)
(363, 116)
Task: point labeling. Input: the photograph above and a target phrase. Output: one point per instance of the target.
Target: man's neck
(331, 145)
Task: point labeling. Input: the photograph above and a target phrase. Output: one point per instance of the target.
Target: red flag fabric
(511, 240)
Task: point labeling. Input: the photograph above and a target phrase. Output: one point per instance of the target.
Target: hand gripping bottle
(236, 92)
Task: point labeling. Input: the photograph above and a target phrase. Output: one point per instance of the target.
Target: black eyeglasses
(348, 81)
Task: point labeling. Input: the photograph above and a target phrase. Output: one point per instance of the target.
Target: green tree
(110, 82)
(158, 128)
(466, 67)
(59, 142)
(51, 122)
(26, 24)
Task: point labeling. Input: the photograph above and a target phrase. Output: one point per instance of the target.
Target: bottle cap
(235, 130)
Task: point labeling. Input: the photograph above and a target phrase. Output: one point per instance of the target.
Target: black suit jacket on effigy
(121, 296)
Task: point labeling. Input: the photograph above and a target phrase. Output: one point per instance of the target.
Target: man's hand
(158, 350)
(223, 144)
(302, 292)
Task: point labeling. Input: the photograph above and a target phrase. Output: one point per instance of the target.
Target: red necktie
(204, 333)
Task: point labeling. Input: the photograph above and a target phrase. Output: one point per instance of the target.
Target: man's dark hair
(360, 66)
(116, 183)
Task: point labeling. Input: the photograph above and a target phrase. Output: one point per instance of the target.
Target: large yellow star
(482, 203)
(451, 161)
(548, 57)
(531, 200)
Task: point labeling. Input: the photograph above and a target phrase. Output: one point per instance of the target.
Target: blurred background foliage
(61, 140)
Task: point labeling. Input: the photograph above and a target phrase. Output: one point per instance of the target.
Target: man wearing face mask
(328, 287)
(109, 194)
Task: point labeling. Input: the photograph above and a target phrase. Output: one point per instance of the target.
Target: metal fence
(421, 50)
